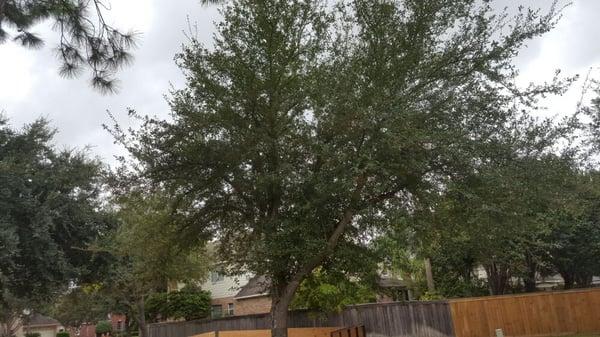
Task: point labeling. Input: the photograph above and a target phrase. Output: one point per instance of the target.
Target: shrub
(189, 303)
(431, 296)
(33, 334)
(62, 334)
(103, 327)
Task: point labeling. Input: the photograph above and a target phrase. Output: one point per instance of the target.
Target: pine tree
(86, 39)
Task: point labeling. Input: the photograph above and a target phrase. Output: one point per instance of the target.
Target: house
(548, 282)
(117, 321)
(44, 325)
(248, 294)
(239, 295)
(392, 289)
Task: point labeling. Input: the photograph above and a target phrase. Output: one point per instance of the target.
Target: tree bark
(281, 299)
(568, 279)
(429, 275)
(498, 277)
(529, 281)
(141, 317)
(584, 280)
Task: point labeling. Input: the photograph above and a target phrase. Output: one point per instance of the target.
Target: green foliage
(330, 292)
(573, 237)
(189, 303)
(87, 303)
(50, 213)
(84, 41)
(431, 296)
(62, 334)
(310, 127)
(147, 254)
(103, 327)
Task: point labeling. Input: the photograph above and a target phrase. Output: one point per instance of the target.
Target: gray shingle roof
(256, 286)
(39, 319)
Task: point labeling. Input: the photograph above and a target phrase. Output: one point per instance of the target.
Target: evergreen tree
(86, 39)
(310, 127)
(49, 212)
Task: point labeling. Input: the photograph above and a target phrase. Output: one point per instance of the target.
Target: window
(216, 311)
(230, 309)
(215, 277)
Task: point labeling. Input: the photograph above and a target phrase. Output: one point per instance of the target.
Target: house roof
(391, 282)
(256, 286)
(41, 320)
(259, 286)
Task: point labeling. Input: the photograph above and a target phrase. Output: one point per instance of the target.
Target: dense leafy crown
(50, 212)
(308, 126)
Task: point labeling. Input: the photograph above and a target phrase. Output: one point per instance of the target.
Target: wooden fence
(537, 314)
(419, 319)
(353, 331)
(293, 332)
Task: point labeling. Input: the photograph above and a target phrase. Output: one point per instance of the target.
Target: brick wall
(248, 306)
(87, 330)
(118, 322)
(253, 305)
(224, 303)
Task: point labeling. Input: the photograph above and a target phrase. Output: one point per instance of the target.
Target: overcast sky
(30, 86)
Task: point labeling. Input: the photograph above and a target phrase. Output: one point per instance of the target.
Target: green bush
(103, 327)
(189, 303)
(62, 334)
(33, 334)
(431, 296)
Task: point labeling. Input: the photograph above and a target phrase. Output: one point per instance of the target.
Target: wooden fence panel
(354, 331)
(398, 319)
(537, 314)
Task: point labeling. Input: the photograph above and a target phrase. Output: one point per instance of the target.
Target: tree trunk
(568, 279)
(529, 281)
(498, 277)
(429, 275)
(12, 324)
(584, 280)
(141, 318)
(282, 297)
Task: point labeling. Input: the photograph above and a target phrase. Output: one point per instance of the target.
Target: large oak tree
(308, 127)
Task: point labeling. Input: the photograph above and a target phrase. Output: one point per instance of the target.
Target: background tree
(84, 304)
(147, 254)
(574, 234)
(309, 126)
(499, 215)
(86, 40)
(50, 212)
(324, 291)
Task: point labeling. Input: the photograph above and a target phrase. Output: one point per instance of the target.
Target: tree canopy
(308, 127)
(51, 211)
(146, 253)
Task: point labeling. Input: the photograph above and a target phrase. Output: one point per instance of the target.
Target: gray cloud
(33, 88)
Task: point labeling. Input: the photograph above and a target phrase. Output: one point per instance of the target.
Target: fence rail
(419, 319)
(537, 314)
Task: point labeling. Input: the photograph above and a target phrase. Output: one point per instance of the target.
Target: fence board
(537, 314)
(417, 319)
